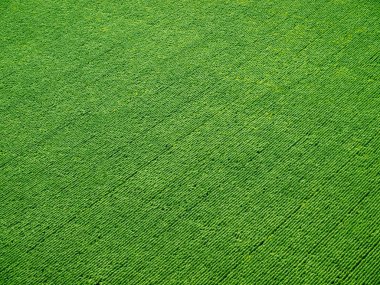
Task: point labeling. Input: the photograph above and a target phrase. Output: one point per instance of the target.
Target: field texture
(190, 142)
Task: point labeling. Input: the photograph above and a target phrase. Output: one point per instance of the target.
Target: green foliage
(189, 142)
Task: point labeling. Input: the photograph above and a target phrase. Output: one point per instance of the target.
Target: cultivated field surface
(190, 142)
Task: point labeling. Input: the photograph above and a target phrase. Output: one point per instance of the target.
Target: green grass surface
(190, 142)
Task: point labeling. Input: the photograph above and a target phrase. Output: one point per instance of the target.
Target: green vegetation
(190, 142)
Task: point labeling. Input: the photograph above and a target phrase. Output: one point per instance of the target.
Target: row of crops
(191, 142)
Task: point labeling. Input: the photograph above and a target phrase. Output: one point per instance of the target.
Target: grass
(190, 142)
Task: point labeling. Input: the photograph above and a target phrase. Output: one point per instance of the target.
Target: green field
(190, 142)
